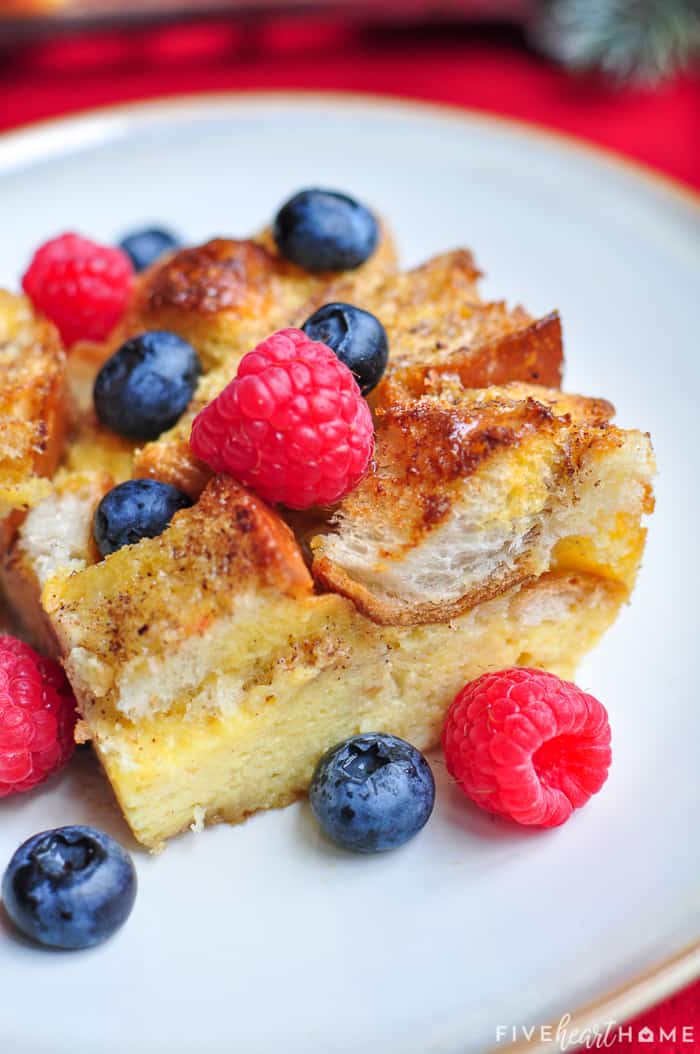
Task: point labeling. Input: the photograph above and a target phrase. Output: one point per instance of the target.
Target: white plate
(261, 938)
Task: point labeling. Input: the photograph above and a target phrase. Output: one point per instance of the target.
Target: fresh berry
(322, 230)
(145, 387)
(81, 286)
(37, 717)
(357, 337)
(72, 887)
(146, 246)
(372, 792)
(139, 508)
(528, 745)
(292, 424)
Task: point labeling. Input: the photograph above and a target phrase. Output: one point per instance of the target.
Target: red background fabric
(488, 70)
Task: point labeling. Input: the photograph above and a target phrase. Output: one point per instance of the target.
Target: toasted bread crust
(220, 275)
(336, 580)
(172, 462)
(438, 323)
(34, 405)
(444, 285)
(532, 353)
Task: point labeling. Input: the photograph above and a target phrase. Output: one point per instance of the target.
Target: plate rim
(662, 979)
(172, 104)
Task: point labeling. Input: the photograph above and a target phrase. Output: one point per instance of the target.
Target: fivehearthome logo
(565, 1036)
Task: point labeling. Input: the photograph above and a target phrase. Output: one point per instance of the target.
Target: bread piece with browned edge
(474, 491)
(34, 406)
(438, 324)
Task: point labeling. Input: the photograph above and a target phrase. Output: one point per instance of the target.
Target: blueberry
(146, 246)
(69, 888)
(357, 337)
(322, 230)
(145, 387)
(372, 792)
(139, 508)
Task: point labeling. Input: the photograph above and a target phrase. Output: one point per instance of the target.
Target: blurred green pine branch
(640, 40)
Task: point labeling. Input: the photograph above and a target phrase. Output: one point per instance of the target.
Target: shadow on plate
(85, 797)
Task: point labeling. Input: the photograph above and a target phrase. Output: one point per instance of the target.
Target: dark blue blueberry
(139, 508)
(357, 337)
(321, 230)
(145, 387)
(372, 792)
(145, 247)
(69, 888)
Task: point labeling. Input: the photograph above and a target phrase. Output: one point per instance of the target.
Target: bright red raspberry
(528, 745)
(81, 286)
(292, 425)
(37, 717)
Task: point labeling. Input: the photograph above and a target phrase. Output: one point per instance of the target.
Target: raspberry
(81, 286)
(292, 424)
(528, 745)
(37, 717)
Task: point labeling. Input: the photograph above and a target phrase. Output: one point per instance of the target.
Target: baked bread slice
(34, 408)
(474, 491)
(211, 676)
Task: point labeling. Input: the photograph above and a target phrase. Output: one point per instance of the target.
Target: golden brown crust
(434, 442)
(532, 353)
(444, 287)
(172, 462)
(34, 404)
(248, 536)
(437, 322)
(221, 275)
(431, 442)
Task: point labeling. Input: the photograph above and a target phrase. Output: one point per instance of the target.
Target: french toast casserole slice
(500, 524)
(211, 673)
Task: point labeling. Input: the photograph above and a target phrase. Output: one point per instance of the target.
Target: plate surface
(262, 938)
